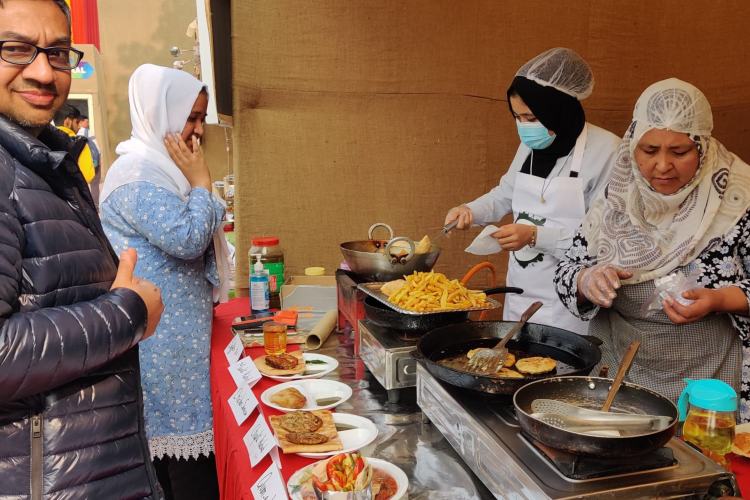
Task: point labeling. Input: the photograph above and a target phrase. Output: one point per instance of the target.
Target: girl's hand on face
(706, 301)
(189, 160)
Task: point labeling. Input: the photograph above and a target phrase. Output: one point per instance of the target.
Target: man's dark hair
(67, 111)
(60, 3)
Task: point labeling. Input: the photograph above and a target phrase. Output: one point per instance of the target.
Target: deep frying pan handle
(594, 340)
(377, 225)
(502, 289)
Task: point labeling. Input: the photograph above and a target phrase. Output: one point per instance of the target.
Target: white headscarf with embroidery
(633, 226)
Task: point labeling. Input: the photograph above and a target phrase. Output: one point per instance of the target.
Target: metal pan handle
(403, 259)
(502, 289)
(377, 225)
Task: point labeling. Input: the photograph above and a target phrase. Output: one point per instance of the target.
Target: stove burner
(583, 467)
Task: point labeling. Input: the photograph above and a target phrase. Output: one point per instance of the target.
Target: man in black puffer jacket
(71, 420)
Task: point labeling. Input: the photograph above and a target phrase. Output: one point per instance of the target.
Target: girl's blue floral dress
(173, 238)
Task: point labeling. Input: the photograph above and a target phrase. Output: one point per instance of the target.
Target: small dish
(358, 432)
(316, 391)
(299, 485)
(316, 366)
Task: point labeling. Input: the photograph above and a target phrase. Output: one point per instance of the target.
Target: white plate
(364, 433)
(300, 480)
(737, 430)
(312, 389)
(321, 369)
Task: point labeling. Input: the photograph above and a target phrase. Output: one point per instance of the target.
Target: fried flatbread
(265, 369)
(306, 438)
(741, 444)
(282, 361)
(328, 429)
(536, 365)
(289, 398)
(300, 421)
(508, 373)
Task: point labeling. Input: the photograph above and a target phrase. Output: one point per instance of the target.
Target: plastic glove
(599, 283)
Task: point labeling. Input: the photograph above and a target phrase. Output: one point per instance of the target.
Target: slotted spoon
(488, 360)
(555, 407)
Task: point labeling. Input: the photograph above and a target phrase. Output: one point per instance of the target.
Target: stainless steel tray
(373, 290)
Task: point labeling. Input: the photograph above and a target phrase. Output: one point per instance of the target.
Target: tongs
(487, 360)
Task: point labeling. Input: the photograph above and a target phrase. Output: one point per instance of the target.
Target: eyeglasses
(22, 53)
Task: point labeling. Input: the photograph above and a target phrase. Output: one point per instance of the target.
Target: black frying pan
(578, 354)
(382, 315)
(590, 392)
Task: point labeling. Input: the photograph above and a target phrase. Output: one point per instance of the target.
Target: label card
(259, 440)
(234, 350)
(242, 403)
(270, 485)
(245, 372)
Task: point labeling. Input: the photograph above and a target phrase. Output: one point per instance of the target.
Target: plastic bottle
(267, 247)
(259, 294)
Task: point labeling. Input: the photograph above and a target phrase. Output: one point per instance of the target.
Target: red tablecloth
(232, 459)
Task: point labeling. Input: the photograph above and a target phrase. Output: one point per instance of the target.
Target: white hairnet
(674, 105)
(561, 69)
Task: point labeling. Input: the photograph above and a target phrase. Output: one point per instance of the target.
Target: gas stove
(387, 354)
(485, 433)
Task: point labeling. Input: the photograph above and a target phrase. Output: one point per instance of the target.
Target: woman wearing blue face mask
(559, 167)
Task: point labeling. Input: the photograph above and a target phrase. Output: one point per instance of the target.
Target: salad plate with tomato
(349, 475)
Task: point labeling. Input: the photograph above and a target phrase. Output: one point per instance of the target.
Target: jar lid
(265, 241)
(315, 271)
(711, 394)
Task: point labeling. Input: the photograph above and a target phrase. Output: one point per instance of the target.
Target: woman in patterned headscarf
(677, 201)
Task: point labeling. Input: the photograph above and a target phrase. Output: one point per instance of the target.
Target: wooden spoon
(627, 360)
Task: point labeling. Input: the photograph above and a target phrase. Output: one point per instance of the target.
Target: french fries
(426, 292)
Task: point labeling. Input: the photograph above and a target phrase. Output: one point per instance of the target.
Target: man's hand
(514, 236)
(191, 162)
(147, 291)
(463, 214)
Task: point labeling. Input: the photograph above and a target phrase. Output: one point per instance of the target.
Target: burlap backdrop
(348, 112)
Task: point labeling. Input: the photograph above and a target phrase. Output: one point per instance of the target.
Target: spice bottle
(259, 294)
(272, 258)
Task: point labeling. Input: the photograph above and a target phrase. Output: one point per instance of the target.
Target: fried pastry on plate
(289, 398)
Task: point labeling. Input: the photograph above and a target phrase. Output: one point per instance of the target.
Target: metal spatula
(488, 360)
(614, 422)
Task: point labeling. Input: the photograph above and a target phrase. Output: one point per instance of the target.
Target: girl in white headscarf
(677, 201)
(157, 199)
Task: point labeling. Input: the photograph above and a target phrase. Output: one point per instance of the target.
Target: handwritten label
(259, 440)
(245, 372)
(234, 350)
(242, 403)
(270, 485)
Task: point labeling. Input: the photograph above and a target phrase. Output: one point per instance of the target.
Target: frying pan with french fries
(432, 293)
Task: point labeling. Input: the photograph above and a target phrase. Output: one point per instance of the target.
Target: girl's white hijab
(161, 100)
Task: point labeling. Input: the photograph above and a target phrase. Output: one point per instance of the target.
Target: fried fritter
(536, 365)
(306, 438)
(301, 421)
(508, 373)
(282, 361)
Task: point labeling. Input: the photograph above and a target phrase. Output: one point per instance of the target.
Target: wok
(370, 260)
(590, 392)
(384, 316)
(578, 353)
